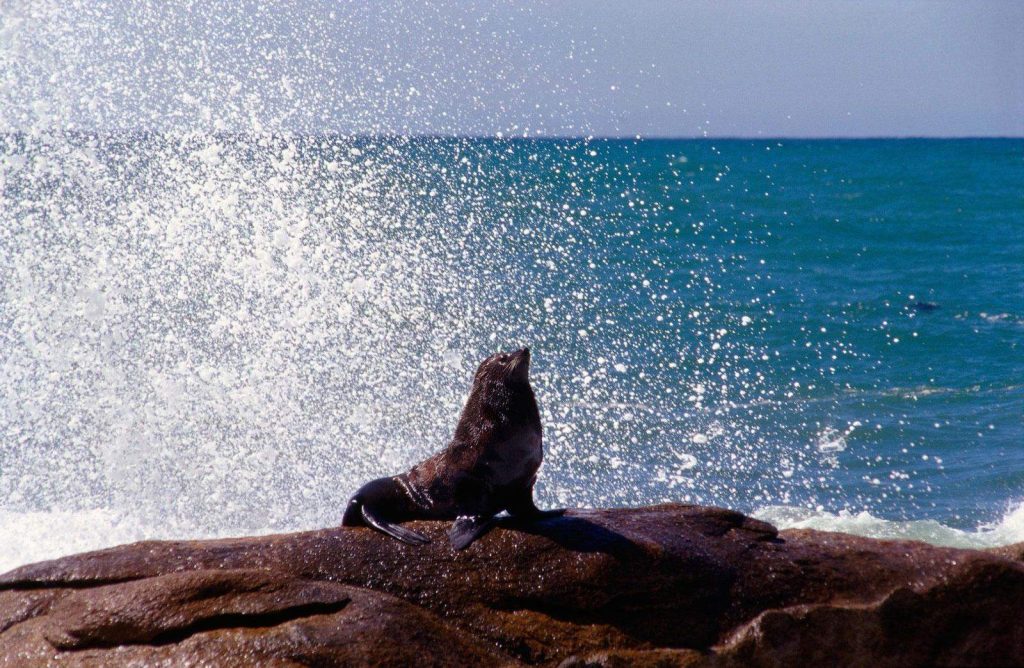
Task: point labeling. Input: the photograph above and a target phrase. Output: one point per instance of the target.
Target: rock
(233, 617)
(651, 658)
(668, 585)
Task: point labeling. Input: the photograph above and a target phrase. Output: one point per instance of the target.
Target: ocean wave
(918, 391)
(39, 535)
(1007, 530)
(993, 318)
(34, 536)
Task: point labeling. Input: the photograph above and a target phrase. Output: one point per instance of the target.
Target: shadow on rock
(577, 534)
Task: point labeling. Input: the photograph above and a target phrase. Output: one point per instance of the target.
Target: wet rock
(665, 585)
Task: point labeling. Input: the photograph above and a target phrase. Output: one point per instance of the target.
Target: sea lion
(489, 466)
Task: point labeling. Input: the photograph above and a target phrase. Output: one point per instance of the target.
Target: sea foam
(37, 536)
(34, 536)
(1007, 530)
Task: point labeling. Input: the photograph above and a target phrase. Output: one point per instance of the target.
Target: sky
(566, 67)
(814, 68)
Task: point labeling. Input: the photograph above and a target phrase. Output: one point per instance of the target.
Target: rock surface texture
(667, 585)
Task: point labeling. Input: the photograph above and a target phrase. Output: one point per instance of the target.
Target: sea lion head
(510, 368)
(501, 398)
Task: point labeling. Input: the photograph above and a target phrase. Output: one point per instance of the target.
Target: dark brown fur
(490, 465)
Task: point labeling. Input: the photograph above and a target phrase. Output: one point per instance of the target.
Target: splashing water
(1006, 530)
(298, 314)
(219, 313)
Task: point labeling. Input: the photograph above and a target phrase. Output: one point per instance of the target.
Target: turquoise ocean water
(205, 335)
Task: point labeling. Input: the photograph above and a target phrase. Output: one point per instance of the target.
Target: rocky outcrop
(668, 585)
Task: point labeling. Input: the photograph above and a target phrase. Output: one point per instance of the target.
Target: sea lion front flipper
(521, 505)
(467, 529)
(395, 531)
(546, 514)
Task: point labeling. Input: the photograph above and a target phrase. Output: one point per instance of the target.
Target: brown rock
(634, 658)
(666, 585)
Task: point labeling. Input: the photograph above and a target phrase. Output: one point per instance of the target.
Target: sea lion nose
(525, 351)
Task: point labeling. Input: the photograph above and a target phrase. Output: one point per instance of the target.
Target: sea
(213, 334)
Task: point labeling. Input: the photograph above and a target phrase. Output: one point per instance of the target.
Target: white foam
(28, 537)
(36, 536)
(831, 441)
(1007, 530)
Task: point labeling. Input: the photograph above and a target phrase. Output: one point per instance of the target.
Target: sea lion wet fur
(489, 466)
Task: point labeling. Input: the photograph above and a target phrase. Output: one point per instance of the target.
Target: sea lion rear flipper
(467, 529)
(395, 531)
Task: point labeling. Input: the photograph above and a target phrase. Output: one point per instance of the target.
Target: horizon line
(517, 137)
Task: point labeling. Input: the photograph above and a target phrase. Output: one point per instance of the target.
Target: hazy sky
(811, 68)
(564, 67)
